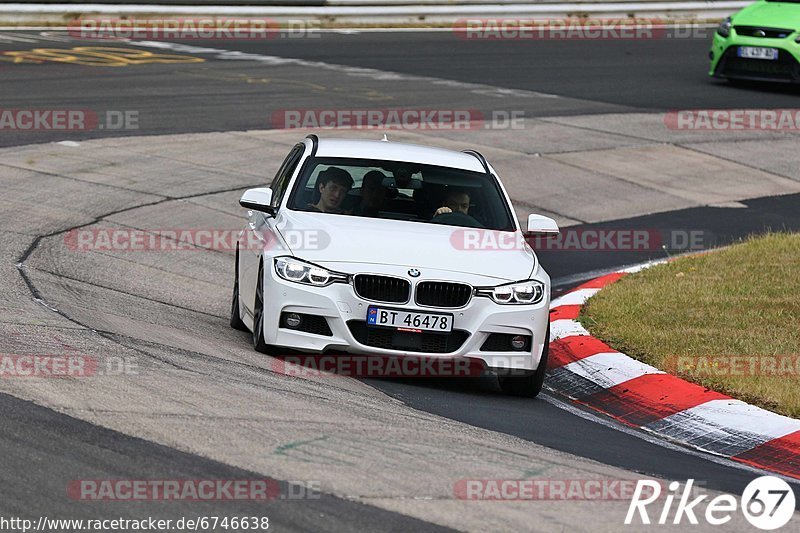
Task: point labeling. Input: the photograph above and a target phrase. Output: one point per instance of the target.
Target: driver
(333, 184)
(455, 202)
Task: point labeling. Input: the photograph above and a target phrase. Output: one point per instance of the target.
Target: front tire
(236, 319)
(531, 385)
(258, 315)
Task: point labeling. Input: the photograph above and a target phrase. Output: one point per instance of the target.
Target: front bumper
(345, 314)
(726, 64)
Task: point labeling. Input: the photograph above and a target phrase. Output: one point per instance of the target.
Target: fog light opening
(292, 320)
(518, 342)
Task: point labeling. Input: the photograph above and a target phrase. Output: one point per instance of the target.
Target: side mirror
(258, 200)
(542, 225)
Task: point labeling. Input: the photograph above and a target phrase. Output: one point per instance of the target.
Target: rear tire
(258, 315)
(236, 319)
(531, 385)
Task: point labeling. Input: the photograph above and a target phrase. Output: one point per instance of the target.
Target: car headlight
(724, 29)
(298, 271)
(519, 293)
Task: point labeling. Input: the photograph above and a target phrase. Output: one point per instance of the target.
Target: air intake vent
(407, 341)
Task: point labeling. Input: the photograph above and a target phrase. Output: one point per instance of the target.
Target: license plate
(758, 52)
(401, 320)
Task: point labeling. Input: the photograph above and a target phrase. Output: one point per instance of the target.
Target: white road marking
(577, 297)
(566, 328)
(55, 36)
(16, 38)
(734, 416)
(610, 369)
(639, 268)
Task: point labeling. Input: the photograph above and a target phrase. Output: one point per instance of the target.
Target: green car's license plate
(758, 52)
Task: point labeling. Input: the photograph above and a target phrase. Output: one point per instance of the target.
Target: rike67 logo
(767, 503)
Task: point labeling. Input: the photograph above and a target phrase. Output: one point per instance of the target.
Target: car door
(260, 231)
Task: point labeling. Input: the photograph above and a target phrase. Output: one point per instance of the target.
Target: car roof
(396, 151)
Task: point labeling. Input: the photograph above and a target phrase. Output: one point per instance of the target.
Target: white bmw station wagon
(394, 250)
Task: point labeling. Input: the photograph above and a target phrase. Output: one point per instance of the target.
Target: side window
(281, 181)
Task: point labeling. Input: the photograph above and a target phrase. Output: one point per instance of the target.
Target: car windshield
(402, 191)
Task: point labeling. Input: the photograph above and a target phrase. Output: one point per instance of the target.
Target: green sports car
(760, 42)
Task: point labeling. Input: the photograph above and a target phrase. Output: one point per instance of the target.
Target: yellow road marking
(95, 56)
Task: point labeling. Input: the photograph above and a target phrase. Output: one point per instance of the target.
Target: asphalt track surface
(223, 95)
(67, 448)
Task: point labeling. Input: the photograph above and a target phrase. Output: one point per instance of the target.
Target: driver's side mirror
(259, 199)
(542, 225)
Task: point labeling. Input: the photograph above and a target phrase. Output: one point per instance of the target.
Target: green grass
(742, 301)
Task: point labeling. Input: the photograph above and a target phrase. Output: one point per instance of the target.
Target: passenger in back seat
(373, 195)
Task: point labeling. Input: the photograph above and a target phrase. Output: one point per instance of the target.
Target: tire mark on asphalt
(78, 180)
(120, 291)
(36, 294)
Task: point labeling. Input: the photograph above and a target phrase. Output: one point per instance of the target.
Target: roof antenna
(385, 138)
